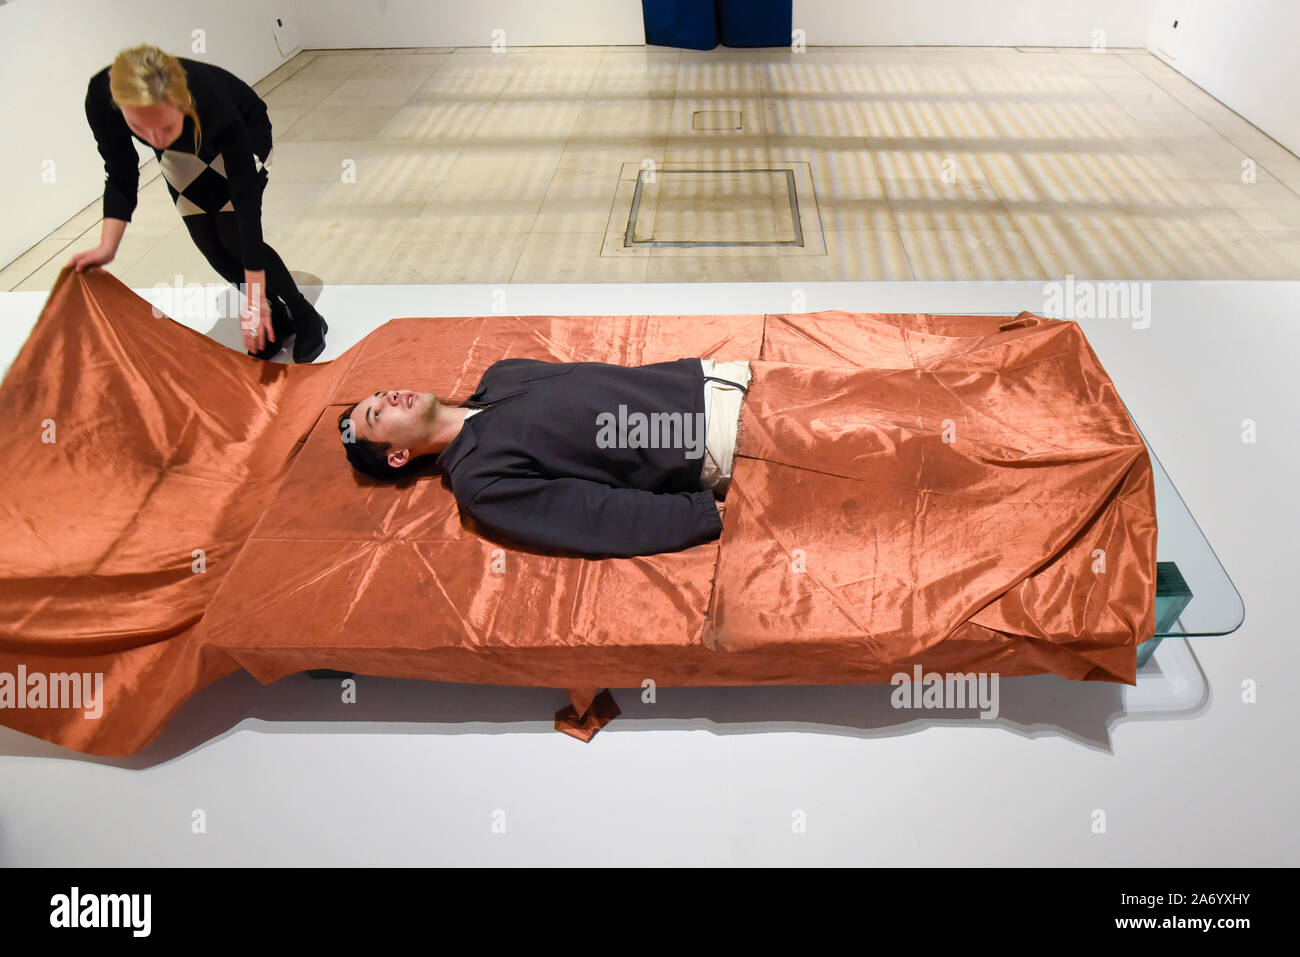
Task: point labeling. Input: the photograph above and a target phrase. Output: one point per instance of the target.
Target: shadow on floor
(1036, 706)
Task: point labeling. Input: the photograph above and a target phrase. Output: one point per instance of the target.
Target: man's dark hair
(367, 456)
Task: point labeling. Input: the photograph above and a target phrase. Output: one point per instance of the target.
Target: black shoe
(309, 329)
(282, 324)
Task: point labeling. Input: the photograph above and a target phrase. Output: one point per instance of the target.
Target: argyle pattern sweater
(226, 174)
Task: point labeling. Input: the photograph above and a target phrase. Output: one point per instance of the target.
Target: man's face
(399, 417)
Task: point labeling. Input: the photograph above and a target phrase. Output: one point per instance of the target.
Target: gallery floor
(614, 164)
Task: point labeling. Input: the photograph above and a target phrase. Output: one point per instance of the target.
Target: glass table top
(1194, 595)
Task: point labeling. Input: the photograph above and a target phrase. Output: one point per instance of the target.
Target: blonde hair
(147, 76)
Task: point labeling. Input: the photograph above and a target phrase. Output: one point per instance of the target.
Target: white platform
(413, 774)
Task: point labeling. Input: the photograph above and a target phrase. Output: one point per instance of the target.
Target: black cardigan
(529, 468)
(234, 125)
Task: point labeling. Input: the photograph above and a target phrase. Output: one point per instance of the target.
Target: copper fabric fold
(583, 723)
(966, 493)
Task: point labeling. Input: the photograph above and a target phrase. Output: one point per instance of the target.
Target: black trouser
(217, 236)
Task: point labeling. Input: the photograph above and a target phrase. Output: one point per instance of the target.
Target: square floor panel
(699, 207)
(715, 209)
(716, 120)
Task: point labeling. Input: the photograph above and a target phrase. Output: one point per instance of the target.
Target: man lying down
(588, 458)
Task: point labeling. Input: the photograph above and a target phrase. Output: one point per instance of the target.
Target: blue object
(700, 24)
(755, 23)
(689, 24)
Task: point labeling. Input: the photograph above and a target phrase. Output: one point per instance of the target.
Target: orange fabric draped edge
(966, 493)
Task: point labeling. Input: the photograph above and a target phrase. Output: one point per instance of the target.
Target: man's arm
(590, 518)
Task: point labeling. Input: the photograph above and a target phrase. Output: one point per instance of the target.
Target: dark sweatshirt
(530, 467)
(234, 126)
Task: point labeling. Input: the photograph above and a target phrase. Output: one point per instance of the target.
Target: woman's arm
(246, 197)
(237, 145)
(246, 182)
(115, 145)
(122, 173)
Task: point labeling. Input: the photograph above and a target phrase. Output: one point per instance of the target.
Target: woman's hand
(256, 320)
(257, 329)
(99, 256)
(110, 237)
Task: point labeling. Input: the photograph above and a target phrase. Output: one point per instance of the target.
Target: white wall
(1055, 23)
(49, 49)
(1242, 53)
(339, 24)
(395, 23)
